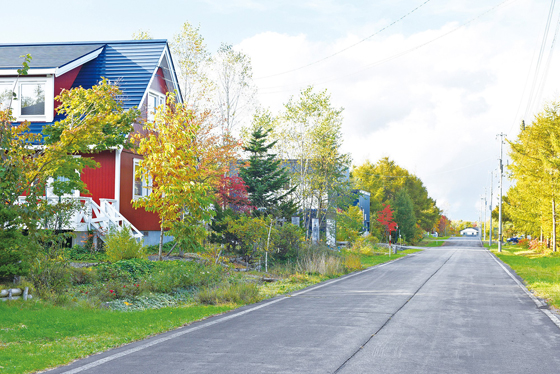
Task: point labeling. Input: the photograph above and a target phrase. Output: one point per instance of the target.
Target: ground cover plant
(539, 268)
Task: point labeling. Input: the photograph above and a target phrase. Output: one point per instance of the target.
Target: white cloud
(433, 111)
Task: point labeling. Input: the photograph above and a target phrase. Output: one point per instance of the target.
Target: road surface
(451, 309)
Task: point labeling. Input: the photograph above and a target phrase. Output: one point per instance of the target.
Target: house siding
(100, 181)
(142, 220)
(158, 84)
(65, 81)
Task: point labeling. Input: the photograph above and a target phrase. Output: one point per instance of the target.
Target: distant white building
(469, 231)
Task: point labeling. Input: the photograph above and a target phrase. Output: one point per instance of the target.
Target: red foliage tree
(443, 224)
(385, 218)
(232, 192)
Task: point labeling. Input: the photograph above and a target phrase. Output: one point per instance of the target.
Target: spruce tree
(264, 176)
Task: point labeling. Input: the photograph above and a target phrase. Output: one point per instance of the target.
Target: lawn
(35, 336)
(540, 271)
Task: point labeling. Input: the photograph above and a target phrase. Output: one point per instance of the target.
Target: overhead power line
(405, 52)
(542, 84)
(347, 48)
(530, 100)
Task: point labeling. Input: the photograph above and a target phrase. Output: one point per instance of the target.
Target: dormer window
(33, 100)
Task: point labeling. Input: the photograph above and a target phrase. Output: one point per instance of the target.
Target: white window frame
(160, 100)
(146, 187)
(16, 84)
(49, 192)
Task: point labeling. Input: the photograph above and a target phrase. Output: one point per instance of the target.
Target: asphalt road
(451, 309)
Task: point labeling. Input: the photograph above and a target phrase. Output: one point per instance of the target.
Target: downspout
(118, 178)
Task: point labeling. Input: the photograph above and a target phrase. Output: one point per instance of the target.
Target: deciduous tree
(235, 88)
(311, 136)
(94, 121)
(385, 178)
(184, 157)
(194, 62)
(385, 219)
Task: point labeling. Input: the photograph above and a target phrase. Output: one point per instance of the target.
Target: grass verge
(376, 259)
(540, 271)
(432, 242)
(35, 336)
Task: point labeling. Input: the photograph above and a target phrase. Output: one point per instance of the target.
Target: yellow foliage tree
(184, 156)
(536, 170)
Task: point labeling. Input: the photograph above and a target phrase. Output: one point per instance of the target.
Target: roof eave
(78, 62)
(31, 71)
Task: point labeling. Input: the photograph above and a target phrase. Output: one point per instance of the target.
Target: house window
(155, 99)
(140, 187)
(31, 98)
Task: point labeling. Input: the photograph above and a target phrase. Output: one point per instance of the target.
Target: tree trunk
(160, 242)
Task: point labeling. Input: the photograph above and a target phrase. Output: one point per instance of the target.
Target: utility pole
(501, 135)
(491, 197)
(485, 205)
(480, 217)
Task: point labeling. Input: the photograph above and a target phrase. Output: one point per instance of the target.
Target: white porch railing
(91, 216)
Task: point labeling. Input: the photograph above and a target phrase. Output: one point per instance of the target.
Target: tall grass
(319, 260)
(240, 293)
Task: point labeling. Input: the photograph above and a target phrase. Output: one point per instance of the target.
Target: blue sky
(435, 110)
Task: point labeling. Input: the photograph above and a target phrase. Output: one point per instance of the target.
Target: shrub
(241, 293)
(372, 240)
(108, 272)
(352, 262)
(121, 245)
(49, 276)
(15, 251)
(82, 253)
(537, 246)
(524, 243)
(168, 276)
(136, 267)
(288, 241)
(82, 275)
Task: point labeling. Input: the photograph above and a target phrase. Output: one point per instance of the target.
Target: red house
(144, 71)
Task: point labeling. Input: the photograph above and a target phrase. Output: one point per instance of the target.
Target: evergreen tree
(404, 215)
(264, 176)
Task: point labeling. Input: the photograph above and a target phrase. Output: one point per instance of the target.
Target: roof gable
(131, 65)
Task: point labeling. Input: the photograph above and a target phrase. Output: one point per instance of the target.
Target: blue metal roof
(131, 64)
